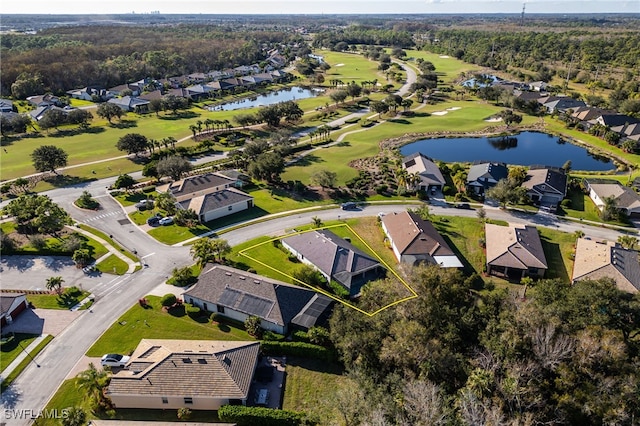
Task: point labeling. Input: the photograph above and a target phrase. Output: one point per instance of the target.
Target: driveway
(42, 321)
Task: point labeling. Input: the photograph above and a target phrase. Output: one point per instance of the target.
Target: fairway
(350, 67)
(448, 69)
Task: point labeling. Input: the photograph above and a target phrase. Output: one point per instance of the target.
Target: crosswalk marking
(102, 216)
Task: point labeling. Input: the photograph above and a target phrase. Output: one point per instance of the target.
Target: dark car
(154, 220)
(144, 205)
(350, 205)
(464, 206)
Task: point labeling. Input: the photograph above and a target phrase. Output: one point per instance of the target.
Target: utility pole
(524, 5)
(566, 85)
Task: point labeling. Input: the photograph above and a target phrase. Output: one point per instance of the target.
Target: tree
(75, 416)
(188, 218)
(291, 111)
(124, 181)
(517, 174)
(54, 117)
(609, 210)
(203, 251)
(109, 111)
(481, 213)
(133, 143)
(252, 325)
(93, 381)
(338, 96)
(270, 114)
(354, 90)
(166, 201)
(175, 103)
(506, 192)
(324, 178)
(628, 241)
(54, 283)
(267, 166)
(82, 257)
(80, 117)
(220, 247)
(37, 213)
(156, 105)
(27, 84)
(629, 146)
(174, 166)
(306, 274)
(317, 222)
(49, 158)
(182, 276)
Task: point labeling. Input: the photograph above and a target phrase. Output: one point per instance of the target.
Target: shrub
(319, 336)
(259, 416)
(184, 413)
(272, 336)
(300, 349)
(301, 336)
(381, 189)
(168, 299)
(422, 195)
(252, 325)
(194, 312)
(216, 317)
(148, 189)
(38, 242)
(566, 203)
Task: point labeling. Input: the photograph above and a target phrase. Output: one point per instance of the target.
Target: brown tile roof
(595, 260)
(514, 246)
(196, 368)
(413, 235)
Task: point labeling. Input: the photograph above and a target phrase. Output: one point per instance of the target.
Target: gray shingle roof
(252, 294)
(216, 200)
(6, 300)
(495, 171)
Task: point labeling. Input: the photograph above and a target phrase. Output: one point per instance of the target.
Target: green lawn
(110, 240)
(113, 265)
(448, 69)
(66, 300)
(308, 382)
(131, 198)
(12, 348)
(558, 247)
(154, 323)
(25, 362)
(350, 67)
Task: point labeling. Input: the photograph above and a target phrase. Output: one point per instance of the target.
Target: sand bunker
(440, 113)
(453, 108)
(339, 65)
(493, 120)
(444, 57)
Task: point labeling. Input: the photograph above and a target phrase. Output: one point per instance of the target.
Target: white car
(114, 360)
(166, 220)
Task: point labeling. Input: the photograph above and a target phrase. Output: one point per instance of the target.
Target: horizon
(323, 7)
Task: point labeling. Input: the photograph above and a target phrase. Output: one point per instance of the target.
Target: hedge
(300, 349)
(259, 416)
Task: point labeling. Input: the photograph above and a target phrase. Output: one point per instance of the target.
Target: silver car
(114, 360)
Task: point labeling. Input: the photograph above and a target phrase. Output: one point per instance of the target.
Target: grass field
(25, 362)
(448, 69)
(154, 323)
(12, 348)
(350, 67)
(113, 265)
(53, 301)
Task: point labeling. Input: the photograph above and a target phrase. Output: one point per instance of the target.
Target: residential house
(538, 86)
(546, 187)
(562, 104)
(124, 88)
(483, 176)
(335, 258)
(11, 305)
(40, 111)
(415, 240)
(628, 131)
(218, 204)
(626, 199)
(150, 96)
(6, 105)
(585, 114)
(197, 374)
(211, 195)
(614, 120)
(199, 91)
(131, 104)
(602, 259)
(89, 93)
(239, 294)
(44, 100)
(529, 96)
(514, 251)
(431, 178)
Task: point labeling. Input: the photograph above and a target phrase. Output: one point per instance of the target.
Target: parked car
(350, 205)
(166, 220)
(89, 269)
(114, 360)
(262, 397)
(464, 206)
(154, 220)
(144, 205)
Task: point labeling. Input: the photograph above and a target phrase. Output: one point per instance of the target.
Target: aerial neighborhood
(327, 220)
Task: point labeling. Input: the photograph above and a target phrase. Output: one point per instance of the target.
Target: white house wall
(173, 402)
(224, 211)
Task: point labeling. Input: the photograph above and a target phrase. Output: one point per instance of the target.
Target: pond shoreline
(492, 131)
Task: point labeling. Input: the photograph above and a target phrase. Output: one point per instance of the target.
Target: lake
(525, 149)
(282, 95)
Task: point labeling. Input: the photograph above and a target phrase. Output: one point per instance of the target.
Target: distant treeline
(73, 57)
(587, 50)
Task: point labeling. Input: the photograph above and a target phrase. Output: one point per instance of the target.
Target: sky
(318, 6)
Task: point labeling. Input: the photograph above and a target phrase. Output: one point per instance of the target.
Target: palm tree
(628, 241)
(194, 129)
(75, 416)
(609, 209)
(54, 283)
(93, 382)
(203, 251)
(460, 180)
(317, 222)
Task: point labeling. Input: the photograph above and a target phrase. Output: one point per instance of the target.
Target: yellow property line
(319, 290)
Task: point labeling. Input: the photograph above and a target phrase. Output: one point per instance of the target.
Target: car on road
(166, 221)
(350, 205)
(464, 206)
(114, 360)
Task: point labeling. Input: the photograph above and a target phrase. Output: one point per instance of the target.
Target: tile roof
(215, 200)
(196, 368)
(514, 246)
(331, 254)
(594, 260)
(423, 165)
(272, 300)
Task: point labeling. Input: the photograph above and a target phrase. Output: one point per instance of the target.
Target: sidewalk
(112, 250)
(21, 357)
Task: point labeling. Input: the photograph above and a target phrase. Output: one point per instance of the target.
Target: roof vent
(228, 273)
(202, 361)
(242, 277)
(186, 360)
(256, 282)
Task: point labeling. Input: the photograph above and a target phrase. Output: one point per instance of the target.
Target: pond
(282, 95)
(525, 149)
